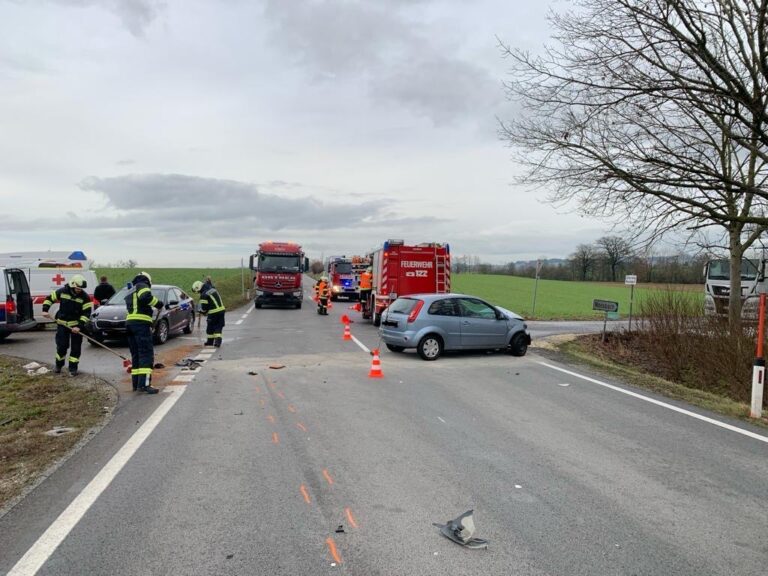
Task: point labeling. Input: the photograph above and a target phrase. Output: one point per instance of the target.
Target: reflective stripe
(141, 371)
(73, 359)
(142, 317)
(65, 296)
(59, 357)
(216, 335)
(84, 319)
(87, 305)
(215, 310)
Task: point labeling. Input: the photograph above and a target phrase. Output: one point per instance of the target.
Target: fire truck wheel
(430, 347)
(394, 348)
(518, 345)
(376, 319)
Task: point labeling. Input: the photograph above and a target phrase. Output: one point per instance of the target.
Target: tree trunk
(734, 300)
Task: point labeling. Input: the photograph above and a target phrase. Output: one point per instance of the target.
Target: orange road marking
(351, 518)
(327, 476)
(271, 418)
(305, 494)
(332, 549)
(280, 394)
(291, 408)
(301, 426)
(275, 438)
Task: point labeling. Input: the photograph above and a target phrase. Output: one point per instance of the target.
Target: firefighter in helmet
(139, 321)
(74, 312)
(212, 307)
(322, 294)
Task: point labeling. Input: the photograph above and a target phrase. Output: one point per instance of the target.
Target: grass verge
(588, 350)
(33, 405)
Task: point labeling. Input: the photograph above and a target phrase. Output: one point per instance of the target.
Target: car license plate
(278, 293)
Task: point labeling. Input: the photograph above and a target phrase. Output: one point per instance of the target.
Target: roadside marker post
(758, 370)
(630, 280)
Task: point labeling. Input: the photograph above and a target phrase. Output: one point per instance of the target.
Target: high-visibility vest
(365, 280)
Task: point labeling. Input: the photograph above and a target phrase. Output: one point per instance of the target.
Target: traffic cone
(347, 333)
(357, 307)
(375, 365)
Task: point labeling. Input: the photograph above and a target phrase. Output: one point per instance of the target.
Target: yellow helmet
(77, 281)
(197, 286)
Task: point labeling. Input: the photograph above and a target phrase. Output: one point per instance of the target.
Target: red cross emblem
(59, 279)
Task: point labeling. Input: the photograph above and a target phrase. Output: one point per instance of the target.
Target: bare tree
(615, 251)
(316, 267)
(653, 112)
(583, 260)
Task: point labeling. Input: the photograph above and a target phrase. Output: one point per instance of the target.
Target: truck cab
(277, 274)
(717, 286)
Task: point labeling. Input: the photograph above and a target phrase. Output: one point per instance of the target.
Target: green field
(555, 299)
(228, 281)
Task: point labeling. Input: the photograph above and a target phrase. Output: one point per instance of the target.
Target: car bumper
(404, 338)
(283, 296)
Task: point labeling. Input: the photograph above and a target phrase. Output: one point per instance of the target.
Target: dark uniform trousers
(142, 352)
(63, 338)
(213, 328)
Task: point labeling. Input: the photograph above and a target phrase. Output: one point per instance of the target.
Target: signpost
(607, 306)
(536, 286)
(630, 280)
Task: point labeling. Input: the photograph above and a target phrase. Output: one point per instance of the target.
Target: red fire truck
(277, 274)
(341, 277)
(400, 270)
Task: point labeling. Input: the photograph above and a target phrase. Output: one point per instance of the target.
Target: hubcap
(431, 348)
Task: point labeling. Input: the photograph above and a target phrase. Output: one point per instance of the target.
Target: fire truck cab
(277, 274)
(400, 270)
(341, 276)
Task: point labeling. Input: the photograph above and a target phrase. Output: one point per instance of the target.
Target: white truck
(717, 286)
(48, 271)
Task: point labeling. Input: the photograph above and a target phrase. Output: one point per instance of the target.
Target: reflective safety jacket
(139, 303)
(74, 309)
(210, 300)
(321, 289)
(366, 280)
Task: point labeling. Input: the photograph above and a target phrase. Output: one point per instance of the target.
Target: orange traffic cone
(347, 333)
(375, 365)
(357, 307)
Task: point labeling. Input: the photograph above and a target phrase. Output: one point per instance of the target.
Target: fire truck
(359, 265)
(277, 274)
(341, 277)
(400, 270)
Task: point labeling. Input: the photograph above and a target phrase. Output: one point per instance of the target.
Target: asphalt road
(255, 474)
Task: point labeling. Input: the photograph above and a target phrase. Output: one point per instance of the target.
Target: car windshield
(402, 306)
(279, 262)
(721, 270)
(119, 298)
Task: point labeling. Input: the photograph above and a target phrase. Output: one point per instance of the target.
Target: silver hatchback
(433, 323)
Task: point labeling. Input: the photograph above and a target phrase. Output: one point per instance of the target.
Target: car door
(175, 315)
(444, 313)
(480, 325)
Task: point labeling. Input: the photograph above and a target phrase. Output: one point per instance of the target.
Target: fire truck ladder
(441, 273)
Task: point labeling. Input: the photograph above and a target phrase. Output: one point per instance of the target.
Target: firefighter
(212, 307)
(366, 284)
(74, 312)
(322, 294)
(139, 303)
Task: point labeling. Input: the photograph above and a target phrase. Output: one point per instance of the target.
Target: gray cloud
(136, 15)
(399, 61)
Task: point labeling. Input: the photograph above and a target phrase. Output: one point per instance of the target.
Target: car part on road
(461, 530)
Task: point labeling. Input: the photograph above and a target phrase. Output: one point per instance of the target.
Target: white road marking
(563, 384)
(441, 420)
(46, 545)
(244, 316)
(518, 486)
(239, 322)
(184, 378)
(363, 346)
(663, 404)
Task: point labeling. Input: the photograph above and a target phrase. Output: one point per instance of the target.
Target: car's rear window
(402, 306)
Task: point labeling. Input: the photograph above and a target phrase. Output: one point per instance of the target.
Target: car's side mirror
(499, 315)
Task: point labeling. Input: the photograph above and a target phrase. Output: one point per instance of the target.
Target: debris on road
(31, 366)
(190, 363)
(158, 366)
(59, 430)
(340, 529)
(461, 530)
(276, 366)
(252, 373)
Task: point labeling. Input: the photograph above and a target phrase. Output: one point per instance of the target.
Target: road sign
(630, 279)
(605, 306)
(612, 315)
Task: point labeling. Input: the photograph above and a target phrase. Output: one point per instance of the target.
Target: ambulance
(49, 271)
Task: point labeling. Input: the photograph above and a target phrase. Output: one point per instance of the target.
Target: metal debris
(461, 530)
(59, 431)
(340, 529)
(276, 366)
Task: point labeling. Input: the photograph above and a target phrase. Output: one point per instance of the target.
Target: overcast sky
(186, 132)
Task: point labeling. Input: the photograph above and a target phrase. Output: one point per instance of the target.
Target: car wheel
(518, 346)
(394, 348)
(430, 347)
(161, 332)
(376, 319)
(190, 325)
